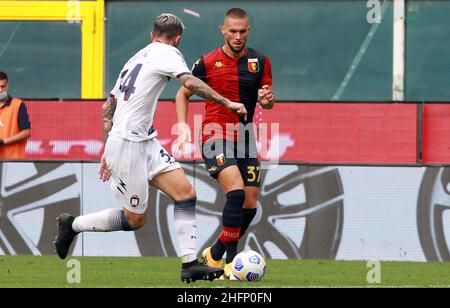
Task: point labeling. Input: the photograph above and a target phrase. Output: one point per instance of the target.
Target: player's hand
(238, 108)
(103, 171)
(266, 97)
(184, 135)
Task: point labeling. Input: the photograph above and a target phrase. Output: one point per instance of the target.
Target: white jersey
(138, 87)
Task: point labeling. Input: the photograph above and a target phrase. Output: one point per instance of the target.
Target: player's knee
(249, 203)
(251, 198)
(191, 192)
(186, 191)
(236, 196)
(136, 221)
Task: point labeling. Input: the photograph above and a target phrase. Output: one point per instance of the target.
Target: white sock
(186, 228)
(103, 221)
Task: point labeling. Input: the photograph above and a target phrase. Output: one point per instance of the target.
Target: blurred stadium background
(363, 155)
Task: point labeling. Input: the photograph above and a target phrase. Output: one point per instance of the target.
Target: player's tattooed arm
(198, 87)
(108, 108)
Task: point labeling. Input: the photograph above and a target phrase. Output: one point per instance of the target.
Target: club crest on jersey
(221, 159)
(218, 64)
(253, 65)
(134, 201)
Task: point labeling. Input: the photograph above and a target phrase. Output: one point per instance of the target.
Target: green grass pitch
(145, 272)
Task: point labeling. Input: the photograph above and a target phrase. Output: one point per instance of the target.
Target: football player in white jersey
(133, 157)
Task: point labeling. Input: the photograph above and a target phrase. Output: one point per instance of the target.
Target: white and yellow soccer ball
(249, 266)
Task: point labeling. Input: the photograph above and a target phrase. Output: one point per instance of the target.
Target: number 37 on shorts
(251, 174)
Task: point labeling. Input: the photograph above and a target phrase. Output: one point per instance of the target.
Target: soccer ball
(249, 266)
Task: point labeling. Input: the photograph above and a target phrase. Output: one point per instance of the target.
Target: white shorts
(133, 165)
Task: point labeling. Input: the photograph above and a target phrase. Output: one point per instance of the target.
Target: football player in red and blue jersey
(243, 75)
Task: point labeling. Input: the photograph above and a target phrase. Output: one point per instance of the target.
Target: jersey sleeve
(24, 120)
(199, 69)
(116, 90)
(172, 64)
(267, 74)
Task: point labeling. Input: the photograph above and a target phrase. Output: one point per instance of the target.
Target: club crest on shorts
(221, 159)
(253, 65)
(134, 201)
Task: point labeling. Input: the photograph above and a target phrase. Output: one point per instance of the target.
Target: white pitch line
(191, 12)
(9, 40)
(362, 50)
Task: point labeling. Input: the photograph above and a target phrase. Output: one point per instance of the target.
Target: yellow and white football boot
(207, 259)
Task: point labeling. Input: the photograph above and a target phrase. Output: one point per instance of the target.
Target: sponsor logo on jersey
(253, 65)
(218, 64)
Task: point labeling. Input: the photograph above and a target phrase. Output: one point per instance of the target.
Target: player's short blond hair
(168, 25)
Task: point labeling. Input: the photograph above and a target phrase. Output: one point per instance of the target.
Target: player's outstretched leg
(102, 221)
(65, 235)
(195, 270)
